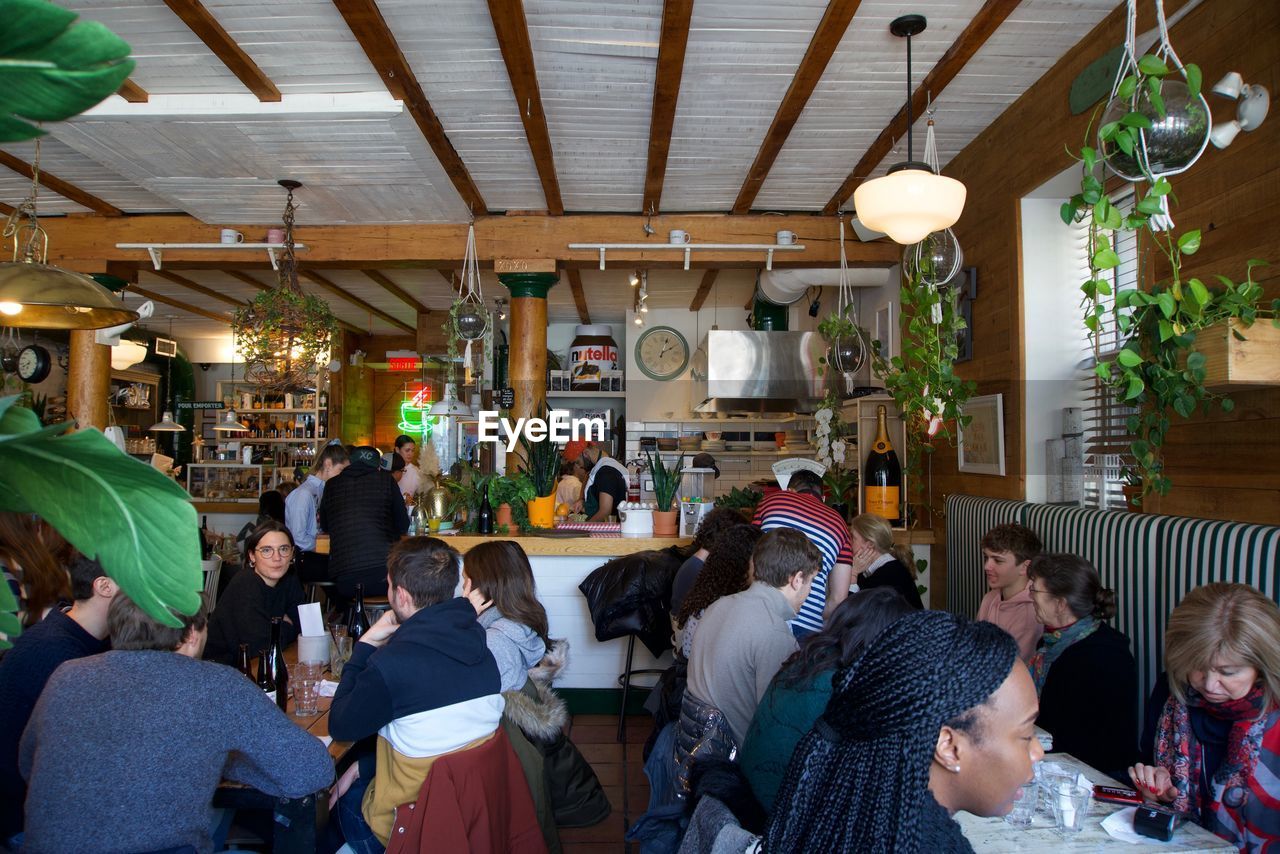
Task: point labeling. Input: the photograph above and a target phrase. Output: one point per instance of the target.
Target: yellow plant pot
(542, 511)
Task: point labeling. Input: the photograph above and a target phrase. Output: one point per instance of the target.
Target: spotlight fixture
(815, 306)
(501, 307)
(1251, 109)
(644, 309)
(635, 279)
(638, 321)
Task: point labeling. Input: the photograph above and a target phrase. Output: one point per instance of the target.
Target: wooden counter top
(914, 537)
(250, 507)
(564, 547)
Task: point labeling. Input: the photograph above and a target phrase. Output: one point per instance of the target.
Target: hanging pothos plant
(921, 379)
(283, 331)
(1156, 369)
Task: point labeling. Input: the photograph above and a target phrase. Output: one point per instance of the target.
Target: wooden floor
(620, 767)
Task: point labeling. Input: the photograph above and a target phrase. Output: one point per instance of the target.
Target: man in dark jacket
(364, 513)
(423, 679)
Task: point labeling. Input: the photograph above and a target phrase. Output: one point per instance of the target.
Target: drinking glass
(339, 654)
(1024, 807)
(306, 684)
(1070, 806)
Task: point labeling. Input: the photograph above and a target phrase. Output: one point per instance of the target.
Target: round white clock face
(31, 366)
(662, 353)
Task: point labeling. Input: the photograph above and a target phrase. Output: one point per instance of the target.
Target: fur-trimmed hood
(538, 710)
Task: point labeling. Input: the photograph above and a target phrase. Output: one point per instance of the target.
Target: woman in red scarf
(1217, 751)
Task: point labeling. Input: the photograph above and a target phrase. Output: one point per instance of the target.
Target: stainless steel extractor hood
(749, 371)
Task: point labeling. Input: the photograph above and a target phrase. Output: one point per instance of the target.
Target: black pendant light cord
(904, 28)
(910, 120)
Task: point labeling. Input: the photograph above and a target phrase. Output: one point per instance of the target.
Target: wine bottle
(242, 663)
(484, 516)
(357, 622)
(265, 680)
(206, 544)
(883, 475)
(279, 670)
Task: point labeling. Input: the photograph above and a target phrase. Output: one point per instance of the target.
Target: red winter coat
(473, 801)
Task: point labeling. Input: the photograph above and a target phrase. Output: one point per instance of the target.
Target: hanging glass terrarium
(283, 334)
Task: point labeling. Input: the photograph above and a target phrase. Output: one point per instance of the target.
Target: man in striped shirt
(800, 506)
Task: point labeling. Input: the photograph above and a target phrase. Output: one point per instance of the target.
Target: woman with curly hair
(710, 529)
(726, 572)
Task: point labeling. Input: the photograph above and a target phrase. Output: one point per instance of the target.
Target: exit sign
(403, 364)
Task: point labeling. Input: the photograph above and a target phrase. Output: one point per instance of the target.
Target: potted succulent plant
(542, 467)
(666, 483)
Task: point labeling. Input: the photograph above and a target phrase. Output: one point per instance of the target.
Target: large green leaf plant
(52, 68)
(138, 523)
(1156, 369)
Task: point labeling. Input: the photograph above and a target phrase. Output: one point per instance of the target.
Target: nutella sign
(592, 352)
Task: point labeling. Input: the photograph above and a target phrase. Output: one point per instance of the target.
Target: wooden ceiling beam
(197, 287)
(7, 210)
(132, 92)
(974, 36)
(177, 303)
(517, 52)
(371, 31)
(672, 42)
(62, 188)
(313, 276)
(704, 289)
(579, 296)
(242, 276)
(826, 38)
(206, 28)
(396, 291)
(88, 242)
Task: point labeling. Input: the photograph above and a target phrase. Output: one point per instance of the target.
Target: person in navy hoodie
(423, 679)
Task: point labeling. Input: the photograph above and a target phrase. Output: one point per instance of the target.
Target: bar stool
(625, 681)
(375, 607)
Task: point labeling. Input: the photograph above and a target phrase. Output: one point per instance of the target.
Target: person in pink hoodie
(1007, 551)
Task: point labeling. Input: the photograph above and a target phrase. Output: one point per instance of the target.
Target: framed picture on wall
(884, 331)
(981, 443)
(967, 282)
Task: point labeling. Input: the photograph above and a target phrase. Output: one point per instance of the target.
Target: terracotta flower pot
(542, 511)
(502, 516)
(665, 522)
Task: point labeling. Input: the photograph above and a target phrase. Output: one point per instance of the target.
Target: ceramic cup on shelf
(678, 235)
(230, 235)
(785, 238)
(275, 235)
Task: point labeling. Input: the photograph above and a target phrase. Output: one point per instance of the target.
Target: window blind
(1106, 429)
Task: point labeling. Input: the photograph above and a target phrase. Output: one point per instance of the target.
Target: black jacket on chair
(364, 513)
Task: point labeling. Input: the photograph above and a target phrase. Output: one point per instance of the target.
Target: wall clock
(34, 364)
(662, 353)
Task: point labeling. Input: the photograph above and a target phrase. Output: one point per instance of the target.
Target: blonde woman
(878, 562)
(1216, 747)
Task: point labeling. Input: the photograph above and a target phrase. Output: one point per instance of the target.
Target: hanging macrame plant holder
(937, 259)
(847, 353)
(470, 317)
(1180, 124)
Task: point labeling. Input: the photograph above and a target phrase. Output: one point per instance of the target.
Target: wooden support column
(351, 396)
(428, 329)
(527, 369)
(88, 380)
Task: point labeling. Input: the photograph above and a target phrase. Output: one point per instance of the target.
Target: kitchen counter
(586, 546)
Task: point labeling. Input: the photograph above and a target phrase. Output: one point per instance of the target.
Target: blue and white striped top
(824, 527)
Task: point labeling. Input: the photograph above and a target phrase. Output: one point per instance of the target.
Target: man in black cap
(364, 513)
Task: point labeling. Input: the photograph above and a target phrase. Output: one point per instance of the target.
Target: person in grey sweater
(744, 638)
(125, 749)
(498, 582)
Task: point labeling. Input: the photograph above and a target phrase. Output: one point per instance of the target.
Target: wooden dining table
(296, 822)
(996, 836)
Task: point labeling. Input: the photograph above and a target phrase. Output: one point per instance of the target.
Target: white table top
(994, 835)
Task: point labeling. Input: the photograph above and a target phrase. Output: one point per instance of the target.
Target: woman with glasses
(252, 598)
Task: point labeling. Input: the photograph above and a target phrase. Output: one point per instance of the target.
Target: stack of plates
(764, 446)
(713, 444)
(737, 446)
(689, 443)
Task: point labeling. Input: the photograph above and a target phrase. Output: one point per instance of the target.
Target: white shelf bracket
(687, 253)
(271, 253)
(154, 252)
(768, 260)
(602, 257)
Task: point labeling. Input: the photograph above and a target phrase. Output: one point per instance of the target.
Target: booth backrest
(1150, 561)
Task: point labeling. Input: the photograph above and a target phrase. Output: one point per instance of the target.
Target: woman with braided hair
(937, 716)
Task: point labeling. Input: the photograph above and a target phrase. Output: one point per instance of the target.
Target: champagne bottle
(484, 517)
(357, 622)
(265, 680)
(883, 475)
(279, 670)
(242, 664)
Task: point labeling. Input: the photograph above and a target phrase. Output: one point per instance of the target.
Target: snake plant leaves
(137, 522)
(52, 68)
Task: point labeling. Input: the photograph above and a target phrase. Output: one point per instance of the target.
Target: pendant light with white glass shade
(913, 200)
(229, 423)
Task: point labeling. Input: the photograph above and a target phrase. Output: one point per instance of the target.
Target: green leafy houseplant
(922, 379)
(283, 314)
(516, 492)
(1157, 370)
(140, 524)
(740, 499)
(666, 481)
(541, 464)
(52, 68)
